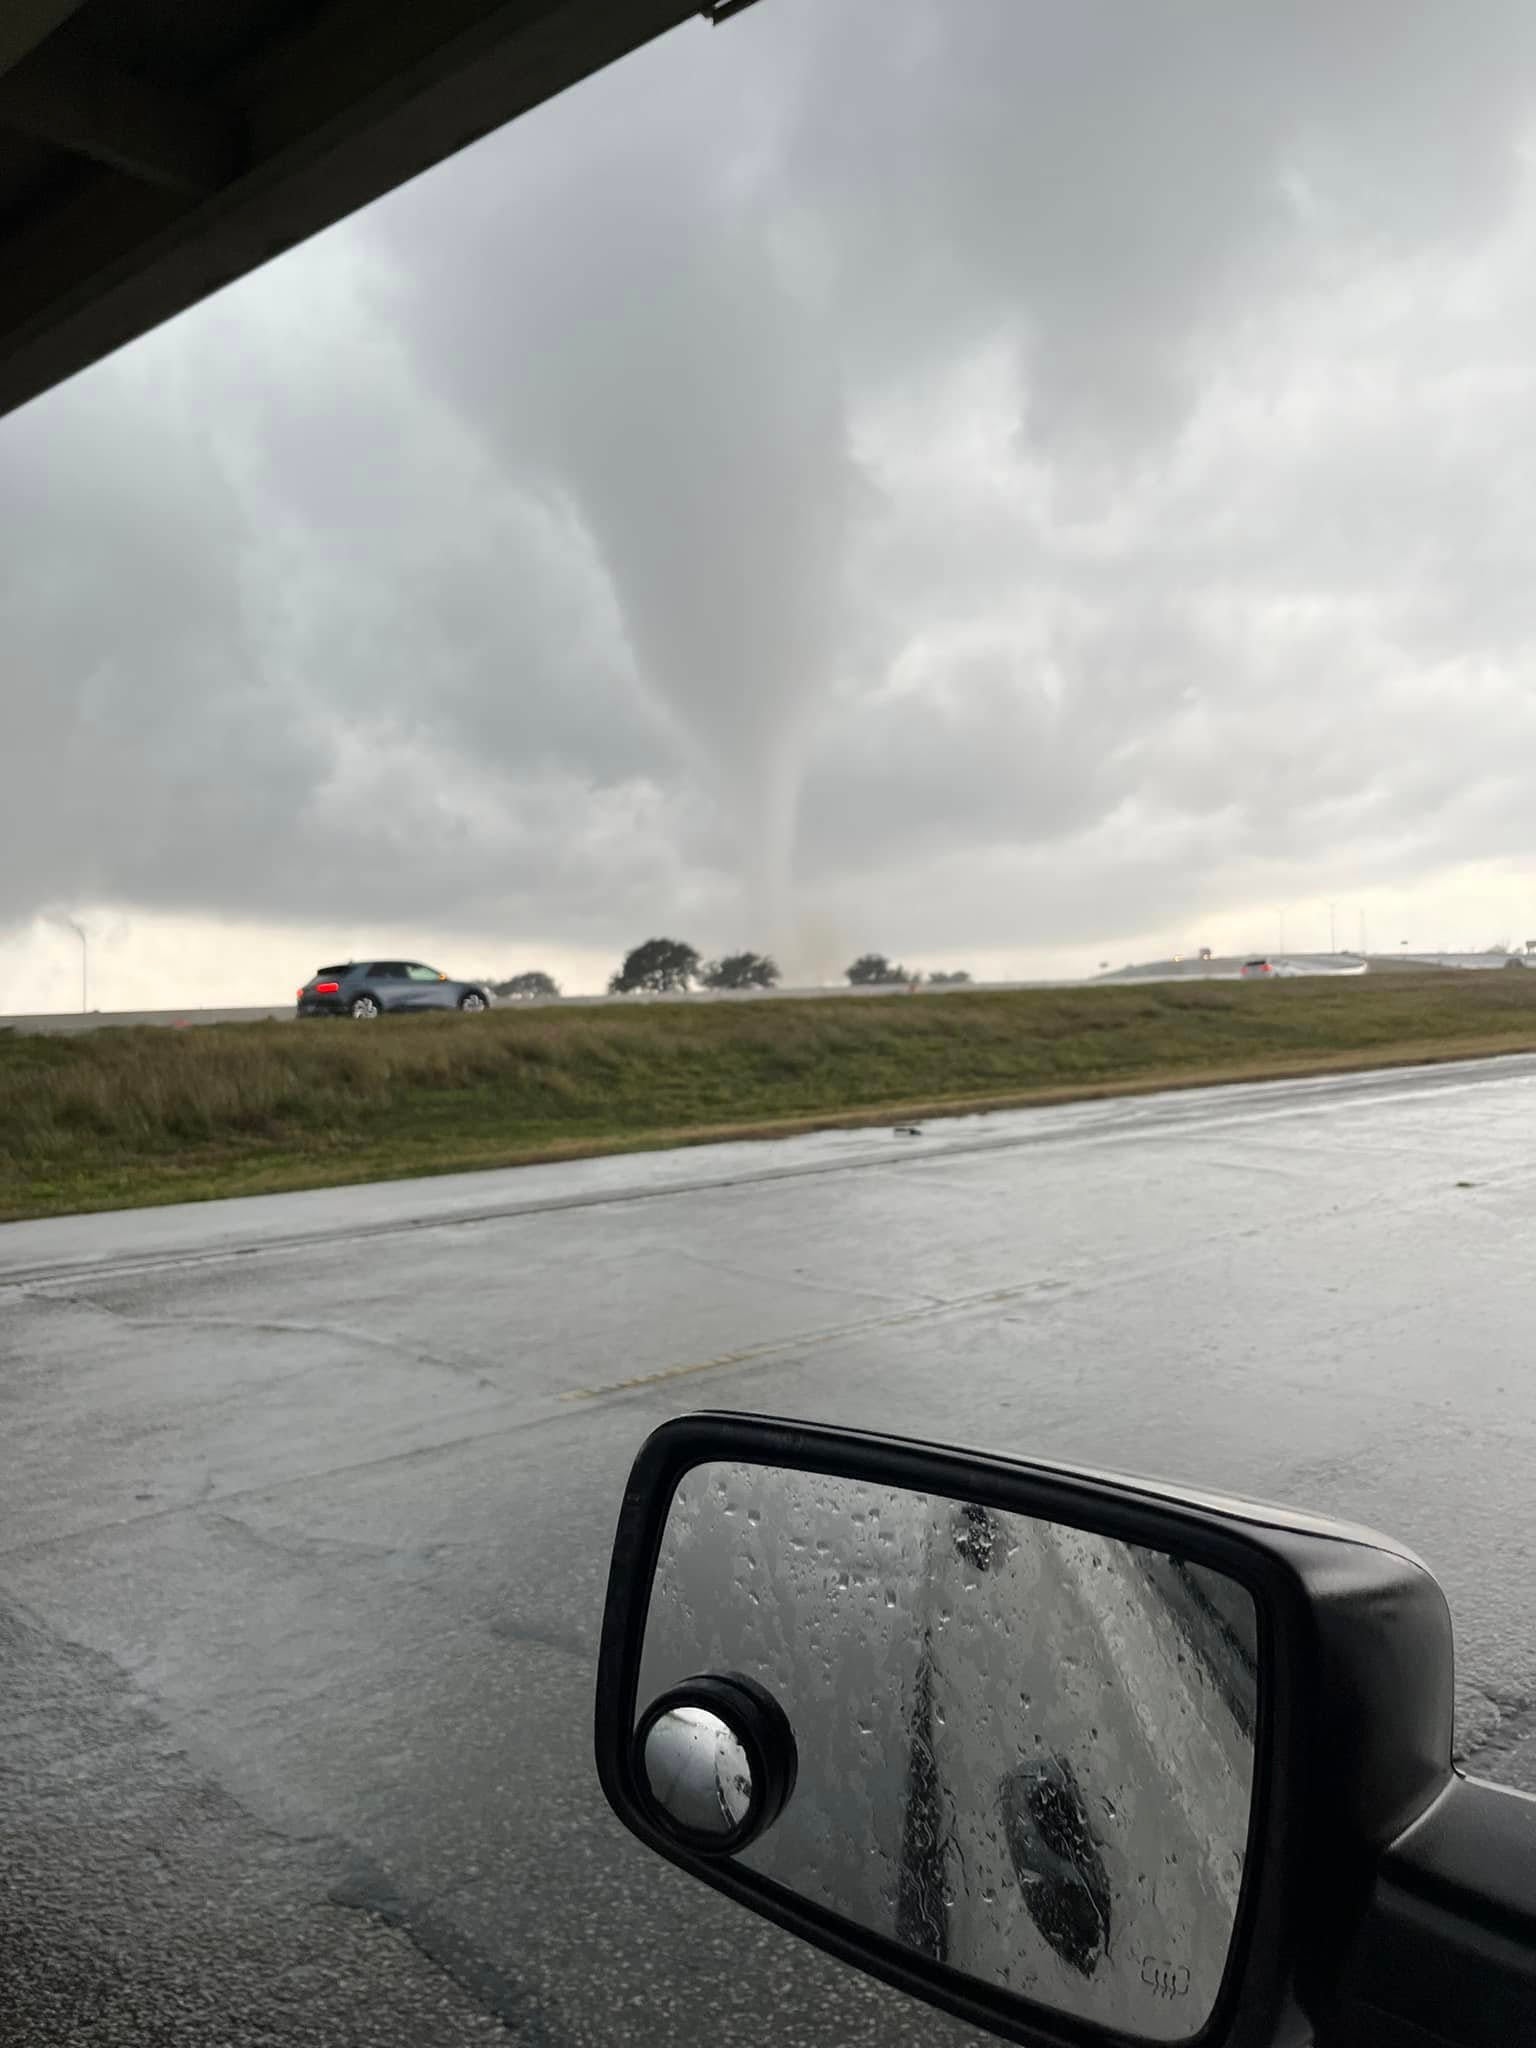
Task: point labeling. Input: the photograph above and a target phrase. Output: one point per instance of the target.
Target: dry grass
(121, 1117)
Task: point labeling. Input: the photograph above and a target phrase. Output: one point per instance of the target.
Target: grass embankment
(127, 1116)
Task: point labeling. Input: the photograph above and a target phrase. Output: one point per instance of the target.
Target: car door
(387, 984)
(427, 989)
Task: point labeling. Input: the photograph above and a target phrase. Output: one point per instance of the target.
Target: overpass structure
(152, 151)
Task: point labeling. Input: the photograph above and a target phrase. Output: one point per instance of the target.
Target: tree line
(669, 967)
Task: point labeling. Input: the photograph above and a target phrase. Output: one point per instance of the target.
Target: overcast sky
(1011, 485)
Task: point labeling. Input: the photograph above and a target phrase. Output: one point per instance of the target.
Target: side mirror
(1079, 1759)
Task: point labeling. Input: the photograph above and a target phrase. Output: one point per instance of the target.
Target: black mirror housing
(1352, 1742)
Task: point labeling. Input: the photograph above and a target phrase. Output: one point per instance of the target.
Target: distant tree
(535, 982)
(873, 968)
(958, 978)
(661, 966)
(741, 970)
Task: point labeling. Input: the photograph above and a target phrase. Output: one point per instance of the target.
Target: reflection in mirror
(697, 1771)
(1026, 1751)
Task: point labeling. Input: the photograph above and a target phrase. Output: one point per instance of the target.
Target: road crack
(1514, 1725)
(356, 1339)
(368, 1890)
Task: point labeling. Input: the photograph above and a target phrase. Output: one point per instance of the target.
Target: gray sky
(1007, 484)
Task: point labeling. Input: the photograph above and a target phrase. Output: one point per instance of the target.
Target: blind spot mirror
(698, 1771)
(717, 1759)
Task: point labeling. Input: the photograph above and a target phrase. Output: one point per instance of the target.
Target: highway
(307, 1502)
(72, 1021)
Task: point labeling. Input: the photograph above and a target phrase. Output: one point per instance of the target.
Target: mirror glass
(697, 1771)
(1025, 1750)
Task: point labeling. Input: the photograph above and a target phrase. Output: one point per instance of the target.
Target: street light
(85, 955)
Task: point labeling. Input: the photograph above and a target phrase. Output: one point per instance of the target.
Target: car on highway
(366, 989)
(1259, 970)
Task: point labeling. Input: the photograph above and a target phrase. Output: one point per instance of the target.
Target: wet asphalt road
(307, 1503)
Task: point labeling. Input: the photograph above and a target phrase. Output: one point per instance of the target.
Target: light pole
(85, 957)
(1333, 933)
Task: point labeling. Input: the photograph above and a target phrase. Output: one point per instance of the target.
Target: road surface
(307, 1503)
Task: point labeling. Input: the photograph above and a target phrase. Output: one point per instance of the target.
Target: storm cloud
(1003, 477)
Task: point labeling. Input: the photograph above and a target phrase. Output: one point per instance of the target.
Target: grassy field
(127, 1116)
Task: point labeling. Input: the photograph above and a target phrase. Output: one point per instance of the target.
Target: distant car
(1285, 970)
(366, 989)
